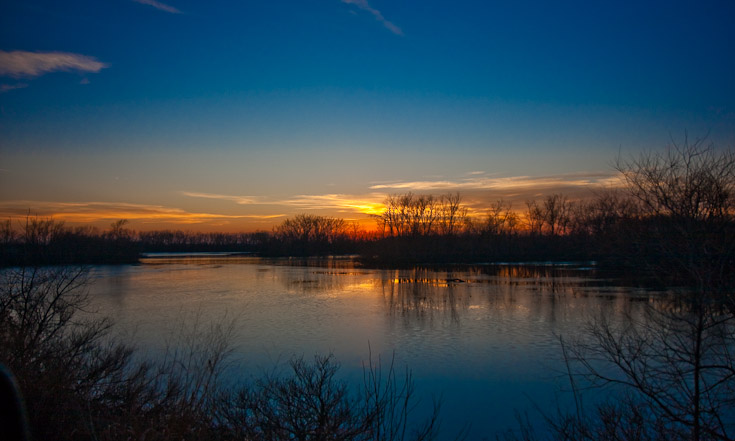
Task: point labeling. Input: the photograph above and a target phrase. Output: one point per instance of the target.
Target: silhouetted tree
(501, 219)
(118, 230)
(555, 214)
(306, 234)
(451, 214)
(7, 233)
(411, 215)
(674, 367)
(313, 404)
(687, 195)
(534, 217)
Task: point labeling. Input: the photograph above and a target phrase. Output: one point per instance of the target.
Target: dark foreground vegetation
(77, 382)
(669, 375)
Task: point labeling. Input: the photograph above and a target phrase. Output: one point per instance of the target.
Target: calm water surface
(484, 338)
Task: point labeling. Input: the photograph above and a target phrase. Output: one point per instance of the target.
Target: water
(485, 338)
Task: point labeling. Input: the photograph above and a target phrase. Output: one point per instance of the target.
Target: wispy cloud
(8, 87)
(478, 188)
(242, 200)
(160, 6)
(90, 212)
(478, 182)
(18, 64)
(365, 6)
(365, 204)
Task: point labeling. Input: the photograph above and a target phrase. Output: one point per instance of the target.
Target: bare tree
(673, 367)
(78, 382)
(420, 215)
(118, 230)
(604, 213)
(312, 404)
(59, 355)
(7, 233)
(687, 195)
(310, 234)
(692, 182)
(452, 214)
(41, 231)
(501, 219)
(534, 217)
(555, 214)
(676, 362)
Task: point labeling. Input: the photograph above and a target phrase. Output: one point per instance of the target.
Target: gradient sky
(231, 115)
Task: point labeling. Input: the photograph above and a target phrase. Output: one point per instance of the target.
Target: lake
(483, 338)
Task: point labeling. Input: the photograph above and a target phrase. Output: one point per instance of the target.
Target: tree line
(39, 241)
(664, 195)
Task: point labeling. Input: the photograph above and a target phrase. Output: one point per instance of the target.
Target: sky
(234, 115)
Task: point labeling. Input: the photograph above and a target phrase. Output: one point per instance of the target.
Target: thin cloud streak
(8, 87)
(242, 200)
(583, 179)
(365, 204)
(23, 64)
(340, 202)
(89, 212)
(160, 6)
(365, 6)
(478, 188)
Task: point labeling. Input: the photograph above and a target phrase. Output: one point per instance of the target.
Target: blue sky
(232, 115)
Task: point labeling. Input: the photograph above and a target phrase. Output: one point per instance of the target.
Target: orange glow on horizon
(247, 214)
